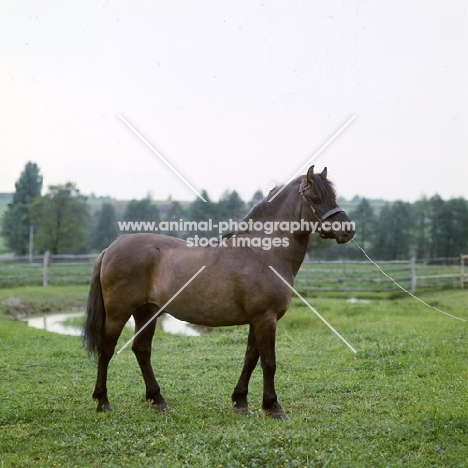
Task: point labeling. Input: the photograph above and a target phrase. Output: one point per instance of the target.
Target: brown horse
(139, 273)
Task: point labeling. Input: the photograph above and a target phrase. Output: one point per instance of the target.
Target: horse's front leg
(265, 333)
(239, 396)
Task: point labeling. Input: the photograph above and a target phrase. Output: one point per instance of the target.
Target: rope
(402, 288)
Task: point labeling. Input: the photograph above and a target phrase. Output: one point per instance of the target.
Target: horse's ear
(310, 174)
(324, 173)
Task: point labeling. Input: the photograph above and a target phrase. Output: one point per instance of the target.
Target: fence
(363, 277)
(314, 276)
(46, 269)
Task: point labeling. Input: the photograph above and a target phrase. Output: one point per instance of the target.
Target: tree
(364, 218)
(402, 225)
(439, 233)
(459, 226)
(175, 213)
(17, 221)
(392, 241)
(421, 228)
(257, 197)
(202, 211)
(231, 206)
(383, 234)
(105, 231)
(62, 218)
(142, 210)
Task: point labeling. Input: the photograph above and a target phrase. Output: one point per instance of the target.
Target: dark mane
(324, 188)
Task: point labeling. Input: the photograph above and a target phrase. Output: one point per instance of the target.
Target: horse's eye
(316, 200)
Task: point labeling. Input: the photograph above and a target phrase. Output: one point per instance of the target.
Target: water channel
(58, 323)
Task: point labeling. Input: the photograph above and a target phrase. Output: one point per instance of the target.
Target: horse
(139, 273)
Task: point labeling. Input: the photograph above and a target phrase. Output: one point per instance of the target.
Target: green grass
(34, 300)
(401, 401)
(76, 322)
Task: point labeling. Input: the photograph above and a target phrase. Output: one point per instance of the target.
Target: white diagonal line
(314, 311)
(161, 310)
(159, 156)
(313, 157)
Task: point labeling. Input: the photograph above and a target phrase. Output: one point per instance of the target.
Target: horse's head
(319, 196)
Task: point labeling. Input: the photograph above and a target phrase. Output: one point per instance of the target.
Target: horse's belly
(208, 313)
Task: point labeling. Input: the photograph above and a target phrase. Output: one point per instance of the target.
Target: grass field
(401, 401)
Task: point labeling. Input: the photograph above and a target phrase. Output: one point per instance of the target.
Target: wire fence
(363, 277)
(44, 270)
(314, 276)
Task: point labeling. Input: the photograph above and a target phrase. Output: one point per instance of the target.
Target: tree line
(63, 221)
(428, 228)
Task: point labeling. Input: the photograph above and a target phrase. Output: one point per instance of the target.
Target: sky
(235, 95)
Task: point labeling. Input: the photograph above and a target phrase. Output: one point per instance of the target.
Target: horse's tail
(93, 328)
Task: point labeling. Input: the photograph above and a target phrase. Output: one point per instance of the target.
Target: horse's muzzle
(344, 236)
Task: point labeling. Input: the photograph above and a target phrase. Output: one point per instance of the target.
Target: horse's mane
(324, 188)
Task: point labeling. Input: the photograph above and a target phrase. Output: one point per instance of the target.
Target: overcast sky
(236, 94)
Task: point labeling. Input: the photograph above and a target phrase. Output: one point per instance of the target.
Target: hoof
(242, 410)
(102, 407)
(278, 415)
(161, 407)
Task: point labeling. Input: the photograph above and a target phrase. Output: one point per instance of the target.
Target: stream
(55, 323)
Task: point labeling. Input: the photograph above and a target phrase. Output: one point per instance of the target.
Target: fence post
(45, 264)
(462, 271)
(413, 275)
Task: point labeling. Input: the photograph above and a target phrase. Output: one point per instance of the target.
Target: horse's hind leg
(142, 349)
(239, 396)
(112, 330)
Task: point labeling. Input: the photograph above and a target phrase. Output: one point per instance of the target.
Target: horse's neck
(285, 208)
(296, 251)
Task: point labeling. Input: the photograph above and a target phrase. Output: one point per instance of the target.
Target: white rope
(403, 289)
